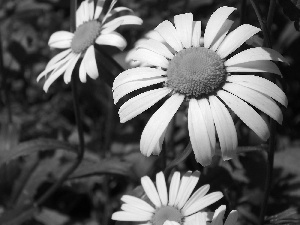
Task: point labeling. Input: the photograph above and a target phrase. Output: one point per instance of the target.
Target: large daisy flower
(204, 77)
(177, 206)
(89, 30)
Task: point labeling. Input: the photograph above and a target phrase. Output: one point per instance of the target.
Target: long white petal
(219, 215)
(156, 47)
(61, 39)
(162, 188)
(262, 85)
(215, 23)
(128, 87)
(197, 195)
(89, 61)
(58, 57)
(169, 33)
(196, 33)
(198, 134)
(137, 202)
(220, 36)
(246, 113)
(147, 56)
(126, 20)
(133, 209)
(99, 8)
(260, 101)
(151, 191)
(236, 38)
(183, 184)
(79, 16)
(127, 216)
(91, 9)
(135, 74)
(158, 122)
(82, 72)
(254, 54)
(111, 28)
(113, 39)
(69, 70)
(255, 66)
(225, 128)
(140, 103)
(119, 9)
(168, 222)
(107, 15)
(184, 27)
(174, 186)
(231, 218)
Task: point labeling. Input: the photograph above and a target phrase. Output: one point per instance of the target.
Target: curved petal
(133, 209)
(219, 215)
(126, 20)
(91, 9)
(215, 23)
(138, 203)
(128, 87)
(236, 38)
(254, 54)
(162, 188)
(183, 184)
(158, 122)
(82, 72)
(89, 61)
(246, 113)
(220, 36)
(113, 39)
(184, 27)
(99, 8)
(225, 128)
(262, 85)
(232, 218)
(255, 66)
(150, 191)
(128, 216)
(58, 57)
(61, 39)
(135, 74)
(119, 9)
(69, 70)
(140, 103)
(107, 15)
(197, 195)
(111, 28)
(169, 33)
(196, 33)
(174, 186)
(156, 47)
(198, 134)
(147, 56)
(260, 101)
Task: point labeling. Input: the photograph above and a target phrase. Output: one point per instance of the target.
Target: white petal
(69, 70)
(127, 216)
(140, 103)
(183, 184)
(113, 2)
(174, 186)
(184, 27)
(168, 222)
(158, 122)
(147, 56)
(85, 9)
(60, 39)
(232, 218)
(225, 128)
(113, 39)
(246, 113)
(119, 9)
(200, 218)
(202, 203)
(198, 134)
(82, 72)
(91, 9)
(255, 66)
(221, 35)
(151, 191)
(254, 54)
(128, 87)
(99, 8)
(153, 34)
(260, 101)
(262, 85)
(89, 61)
(133, 209)
(139, 203)
(196, 33)
(111, 28)
(126, 20)
(162, 188)
(219, 215)
(197, 195)
(58, 57)
(79, 16)
(135, 74)
(208, 118)
(215, 23)
(169, 33)
(236, 38)
(156, 47)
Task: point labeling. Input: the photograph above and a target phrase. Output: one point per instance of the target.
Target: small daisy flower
(177, 206)
(217, 218)
(204, 78)
(89, 31)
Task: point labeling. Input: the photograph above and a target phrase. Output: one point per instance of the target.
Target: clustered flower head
(90, 30)
(175, 205)
(209, 78)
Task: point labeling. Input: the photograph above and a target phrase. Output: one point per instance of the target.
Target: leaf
(33, 146)
(291, 8)
(17, 216)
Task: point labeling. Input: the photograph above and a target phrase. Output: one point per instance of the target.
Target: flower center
(196, 72)
(166, 213)
(85, 35)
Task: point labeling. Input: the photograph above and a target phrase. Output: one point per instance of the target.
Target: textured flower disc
(167, 213)
(85, 35)
(196, 72)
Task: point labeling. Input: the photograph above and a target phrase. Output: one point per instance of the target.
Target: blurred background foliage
(38, 133)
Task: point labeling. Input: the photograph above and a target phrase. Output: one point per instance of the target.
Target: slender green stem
(272, 141)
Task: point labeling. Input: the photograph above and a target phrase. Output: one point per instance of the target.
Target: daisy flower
(206, 79)
(90, 30)
(177, 206)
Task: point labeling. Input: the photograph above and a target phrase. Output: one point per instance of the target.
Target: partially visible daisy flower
(175, 207)
(89, 31)
(217, 218)
(206, 79)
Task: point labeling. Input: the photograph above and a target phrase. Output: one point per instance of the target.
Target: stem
(272, 141)
(80, 152)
